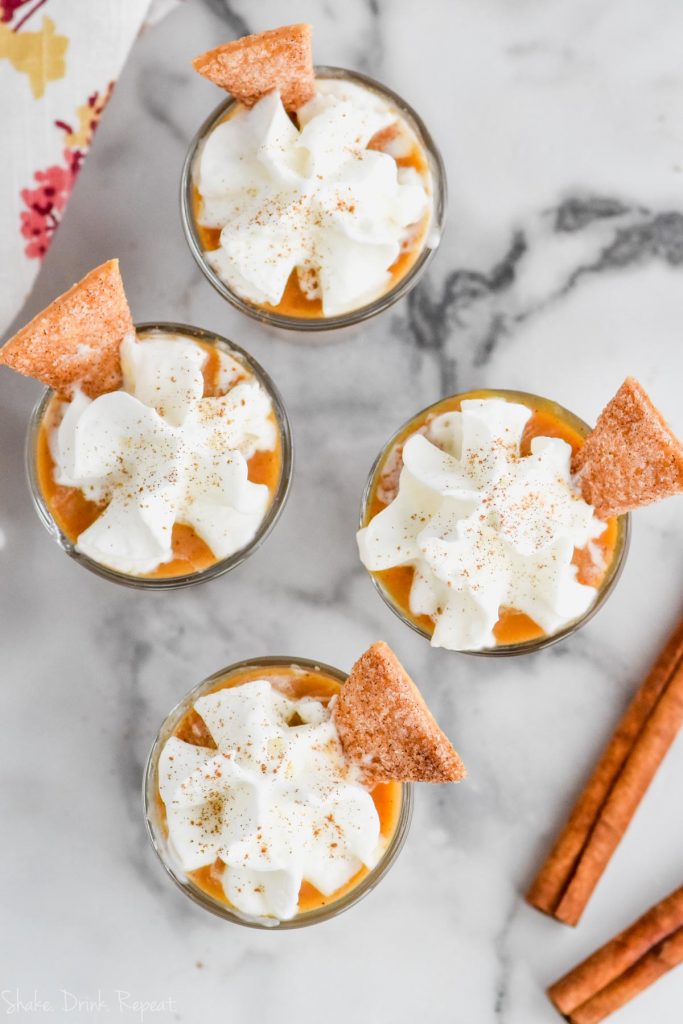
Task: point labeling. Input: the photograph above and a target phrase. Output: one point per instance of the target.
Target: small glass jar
(222, 565)
(533, 401)
(158, 836)
(344, 320)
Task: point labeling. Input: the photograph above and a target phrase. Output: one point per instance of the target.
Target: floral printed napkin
(58, 63)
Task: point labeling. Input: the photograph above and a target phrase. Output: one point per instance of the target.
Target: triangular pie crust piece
(76, 340)
(385, 726)
(254, 65)
(631, 458)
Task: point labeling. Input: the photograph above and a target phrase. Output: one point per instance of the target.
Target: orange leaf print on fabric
(88, 114)
(39, 55)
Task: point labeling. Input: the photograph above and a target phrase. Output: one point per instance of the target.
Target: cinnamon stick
(604, 810)
(624, 967)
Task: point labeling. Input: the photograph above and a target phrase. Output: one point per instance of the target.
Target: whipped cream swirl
(484, 527)
(313, 199)
(277, 804)
(158, 453)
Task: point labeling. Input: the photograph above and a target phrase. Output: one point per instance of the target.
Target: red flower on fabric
(46, 202)
(8, 8)
(55, 184)
(34, 226)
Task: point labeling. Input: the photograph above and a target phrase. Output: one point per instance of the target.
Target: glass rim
(369, 310)
(218, 568)
(193, 891)
(606, 587)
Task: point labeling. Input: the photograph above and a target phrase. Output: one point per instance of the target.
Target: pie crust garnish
(385, 726)
(631, 458)
(250, 67)
(76, 340)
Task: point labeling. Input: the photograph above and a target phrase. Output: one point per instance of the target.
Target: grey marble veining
(561, 271)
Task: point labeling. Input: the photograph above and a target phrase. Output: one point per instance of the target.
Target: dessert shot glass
(223, 565)
(154, 812)
(610, 578)
(403, 285)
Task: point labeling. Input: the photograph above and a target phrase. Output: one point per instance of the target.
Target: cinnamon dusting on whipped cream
(273, 804)
(484, 527)
(311, 198)
(158, 452)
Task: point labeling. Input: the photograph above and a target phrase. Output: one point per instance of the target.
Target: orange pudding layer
(294, 302)
(295, 683)
(74, 513)
(513, 627)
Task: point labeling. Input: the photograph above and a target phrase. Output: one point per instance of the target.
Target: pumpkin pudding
(311, 195)
(477, 523)
(275, 792)
(163, 465)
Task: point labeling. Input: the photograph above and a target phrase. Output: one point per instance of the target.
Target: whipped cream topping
(158, 453)
(277, 803)
(311, 198)
(484, 527)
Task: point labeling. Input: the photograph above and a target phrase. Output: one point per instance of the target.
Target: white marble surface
(561, 271)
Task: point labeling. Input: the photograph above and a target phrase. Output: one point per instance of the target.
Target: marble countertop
(561, 272)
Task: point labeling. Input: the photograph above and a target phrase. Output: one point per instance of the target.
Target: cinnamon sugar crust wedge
(76, 340)
(385, 726)
(631, 458)
(250, 67)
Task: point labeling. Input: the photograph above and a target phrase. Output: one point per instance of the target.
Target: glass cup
(223, 565)
(157, 834)
(405, 284)
(623, 522)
